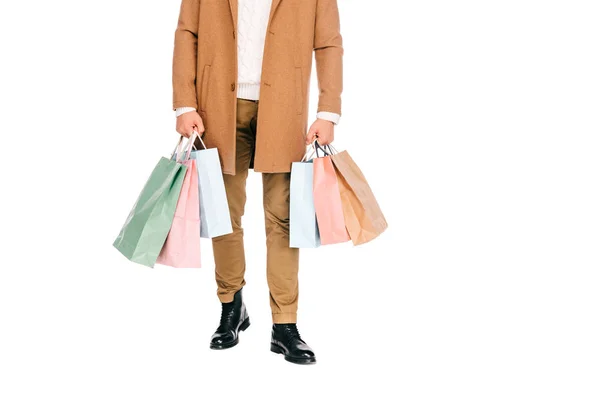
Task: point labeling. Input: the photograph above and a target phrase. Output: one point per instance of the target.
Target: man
(241, 72)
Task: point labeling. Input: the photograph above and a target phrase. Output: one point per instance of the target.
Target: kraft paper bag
(328, 202)
(304, 232)
(147, 226)
(214, 208)
(362, 214)
(182, 247)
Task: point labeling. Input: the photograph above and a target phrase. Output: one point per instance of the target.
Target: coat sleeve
(185, 55)
(328, 55)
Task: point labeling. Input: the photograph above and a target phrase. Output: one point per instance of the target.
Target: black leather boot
(285, 339)
(234, 318)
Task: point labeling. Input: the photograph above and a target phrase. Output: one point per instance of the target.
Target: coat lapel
(274, 5)
(233, 6)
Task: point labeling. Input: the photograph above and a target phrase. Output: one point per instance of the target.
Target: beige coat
(205, 74)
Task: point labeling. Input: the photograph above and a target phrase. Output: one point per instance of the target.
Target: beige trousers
(282, 261)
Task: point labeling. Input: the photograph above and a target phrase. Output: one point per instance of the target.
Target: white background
(477, 125)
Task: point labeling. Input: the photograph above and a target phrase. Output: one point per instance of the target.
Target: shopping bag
(304, 232)
(328, 202)
(362, 214)
(147, 226)
(182, 247)
(214, 208)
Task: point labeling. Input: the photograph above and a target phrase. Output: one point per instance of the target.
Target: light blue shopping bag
(304, 232)
(215, 219)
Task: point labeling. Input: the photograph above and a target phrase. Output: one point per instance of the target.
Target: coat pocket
(204, 88)
(299, 94)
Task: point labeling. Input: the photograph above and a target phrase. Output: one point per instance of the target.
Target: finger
(321, 139)
(198, 128)
(325, 140)
(310, 136)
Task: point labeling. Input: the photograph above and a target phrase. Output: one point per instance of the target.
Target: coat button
(233, 87)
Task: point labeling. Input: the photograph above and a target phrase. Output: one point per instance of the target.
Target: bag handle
(314, 150)
(332, 149)
(309, 149)
(187, 149)
(177, 149)
(199, 138)
(323, 149)
(190, 144)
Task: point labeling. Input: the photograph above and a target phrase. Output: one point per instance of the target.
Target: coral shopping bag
(147, 226)
(364, 219)
(182, 247)
(328, 201)
(304, 232)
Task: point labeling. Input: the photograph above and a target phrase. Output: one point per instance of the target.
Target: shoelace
(291, 333)
(226, 315)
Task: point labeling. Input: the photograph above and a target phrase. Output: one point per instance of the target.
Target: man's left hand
(321, 130)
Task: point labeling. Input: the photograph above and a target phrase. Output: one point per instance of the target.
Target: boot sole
(303, 361)
(224, 346)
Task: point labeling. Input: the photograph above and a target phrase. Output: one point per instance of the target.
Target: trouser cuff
(284, 318)
(226, 298)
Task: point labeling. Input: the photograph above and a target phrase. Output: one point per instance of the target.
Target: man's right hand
(188, 122)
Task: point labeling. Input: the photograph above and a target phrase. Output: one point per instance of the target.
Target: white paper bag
(214, 209)
(304, 232)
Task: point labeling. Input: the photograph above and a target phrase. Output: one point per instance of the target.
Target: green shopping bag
(148, 224)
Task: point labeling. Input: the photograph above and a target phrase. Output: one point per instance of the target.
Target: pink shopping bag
(328, 202)
(182, 247)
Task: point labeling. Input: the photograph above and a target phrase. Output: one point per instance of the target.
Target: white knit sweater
(253, 17)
